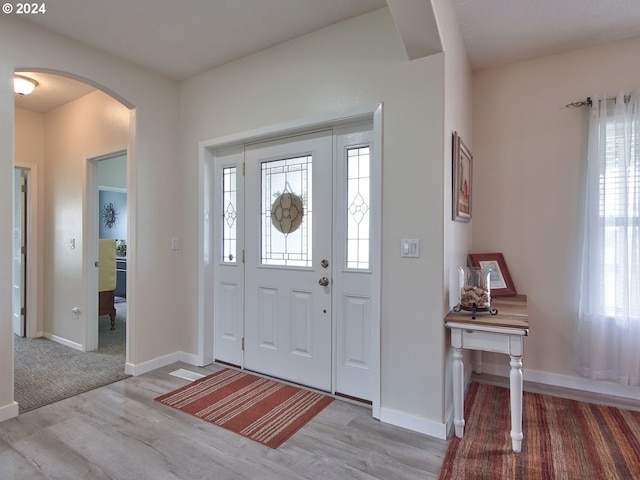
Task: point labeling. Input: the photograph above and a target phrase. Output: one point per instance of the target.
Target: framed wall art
(462, 180)
(500, 278)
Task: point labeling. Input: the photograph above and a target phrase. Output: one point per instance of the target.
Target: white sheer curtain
(609, 316)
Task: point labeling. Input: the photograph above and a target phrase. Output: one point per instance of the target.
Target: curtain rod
(588, 102)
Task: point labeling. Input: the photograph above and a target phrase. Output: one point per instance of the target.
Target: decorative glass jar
(475, 290)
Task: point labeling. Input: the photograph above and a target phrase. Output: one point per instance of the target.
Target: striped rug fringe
(263, 410)
(563, 439)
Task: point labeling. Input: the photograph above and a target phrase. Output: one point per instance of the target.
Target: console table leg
(515, 377)
(458, 392)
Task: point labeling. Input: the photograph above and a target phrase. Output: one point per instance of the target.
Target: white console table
(501, 333)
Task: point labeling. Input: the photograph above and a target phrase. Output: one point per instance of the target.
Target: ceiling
(184, 38)
(52, 91)
(498, 32)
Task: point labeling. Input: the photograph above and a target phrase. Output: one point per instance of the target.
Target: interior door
(19, 251)
(288, 237)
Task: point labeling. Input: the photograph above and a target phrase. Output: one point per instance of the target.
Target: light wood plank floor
(120, 432)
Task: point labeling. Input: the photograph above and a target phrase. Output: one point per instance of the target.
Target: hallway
(46, 371)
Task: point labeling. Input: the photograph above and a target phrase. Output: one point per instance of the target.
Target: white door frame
(205, 353)
(33, 319)
(90, 248)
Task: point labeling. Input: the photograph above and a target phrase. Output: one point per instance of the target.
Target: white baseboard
(567, 381)
(411, 422)
(191, 359)
(148, 366)
(8, 411)
(63, 341)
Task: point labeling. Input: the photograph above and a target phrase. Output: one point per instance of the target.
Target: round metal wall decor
(286, 212)
(109, 215)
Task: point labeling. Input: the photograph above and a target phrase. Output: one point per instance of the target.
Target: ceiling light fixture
(23, 85)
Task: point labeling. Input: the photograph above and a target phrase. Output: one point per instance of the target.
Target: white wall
(112, 172)
(529, 153)
(457, 118)
(358, 62)
(154, 268)
(61, 140)
(8, 407)
(349, 65)
(90, 127)
(29, 149)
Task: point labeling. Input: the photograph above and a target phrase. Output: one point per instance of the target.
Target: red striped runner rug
(263, 410)
(563, 439)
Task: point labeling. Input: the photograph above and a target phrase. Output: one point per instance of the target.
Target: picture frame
(461, 191)
(500, 280)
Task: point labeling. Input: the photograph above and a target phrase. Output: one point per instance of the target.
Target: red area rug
(563, 439)
(263, 410)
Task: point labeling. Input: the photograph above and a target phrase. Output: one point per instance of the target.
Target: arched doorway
(64, 126)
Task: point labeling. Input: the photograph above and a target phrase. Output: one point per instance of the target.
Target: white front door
(288, 236)
(305, 213)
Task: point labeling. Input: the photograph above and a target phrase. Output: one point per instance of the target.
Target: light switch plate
(409, 248)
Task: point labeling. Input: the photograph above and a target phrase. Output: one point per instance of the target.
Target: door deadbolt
(324, 281)
(324, 263)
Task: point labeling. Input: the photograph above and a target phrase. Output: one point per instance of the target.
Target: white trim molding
(9, 411)
(34, 320)
(159, 362)
(64, 341)
(584, 385)
(411, 422)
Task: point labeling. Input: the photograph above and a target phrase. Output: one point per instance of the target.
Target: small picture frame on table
(501, 283)
(461, 181)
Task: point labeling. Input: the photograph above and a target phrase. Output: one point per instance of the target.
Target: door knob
(324, 281)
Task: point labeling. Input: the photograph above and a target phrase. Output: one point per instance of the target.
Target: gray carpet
(46, 371)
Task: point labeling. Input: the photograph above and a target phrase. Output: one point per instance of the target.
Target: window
(358, 206)
(619, 187)
(287, 212)
(229, 214)
(609, 310)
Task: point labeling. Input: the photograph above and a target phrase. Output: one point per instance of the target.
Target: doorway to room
(112, 235)
(20, 231)
(25, 255)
